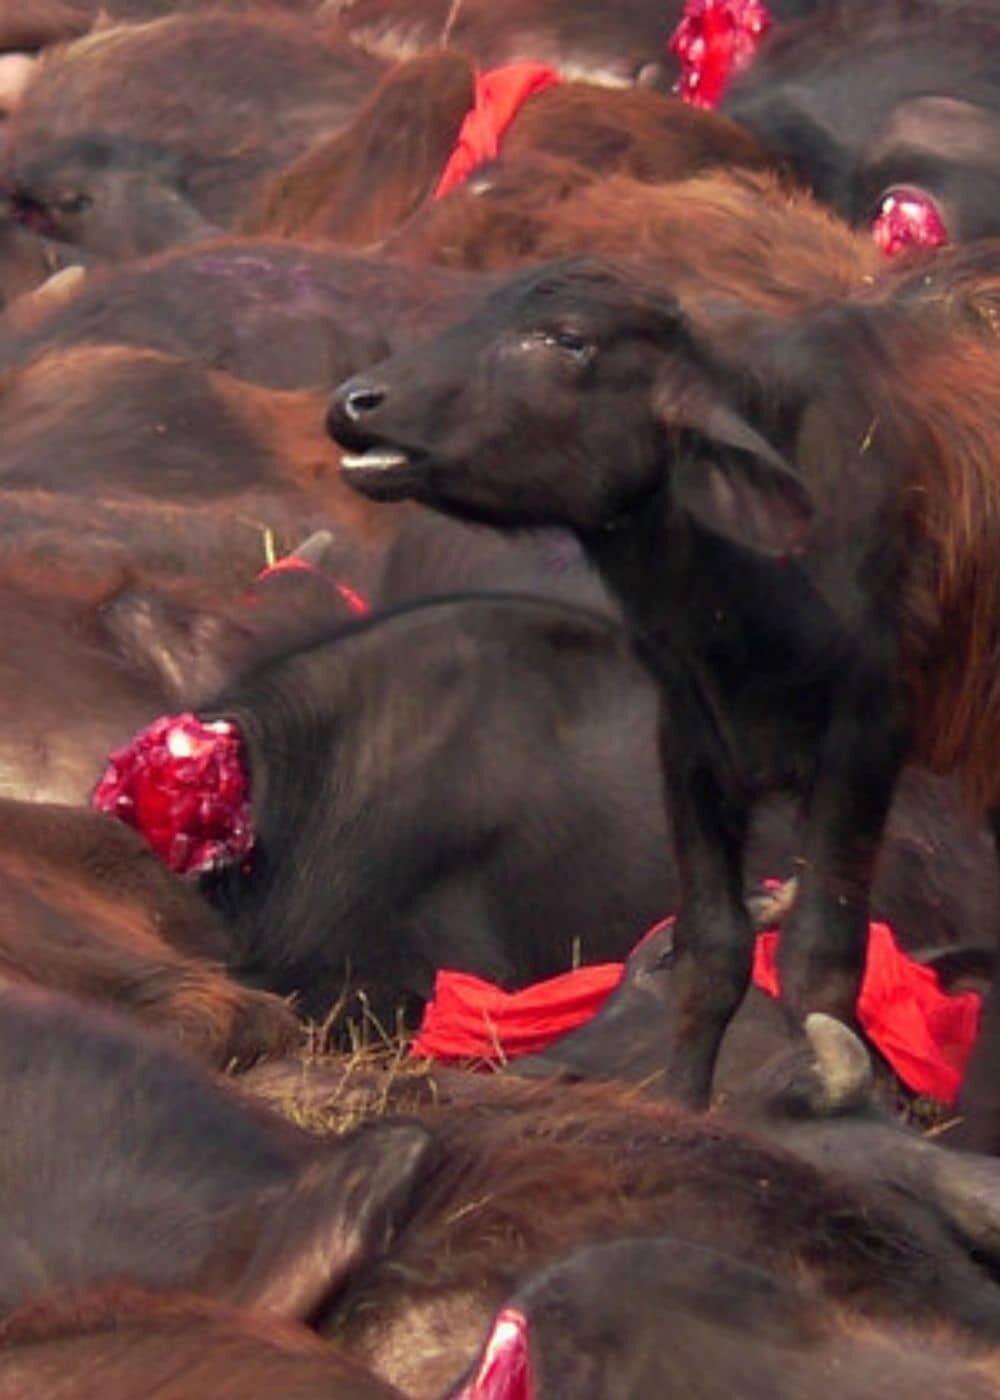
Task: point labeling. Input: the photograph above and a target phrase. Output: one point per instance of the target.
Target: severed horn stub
(843, 1065)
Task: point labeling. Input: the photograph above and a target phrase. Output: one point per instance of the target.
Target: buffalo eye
(571, 342)
(74, 203)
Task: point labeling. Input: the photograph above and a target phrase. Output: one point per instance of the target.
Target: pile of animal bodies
(644, 552)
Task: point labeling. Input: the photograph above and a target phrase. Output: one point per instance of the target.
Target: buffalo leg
(825, 937)
(979, 1102)
(713, 936)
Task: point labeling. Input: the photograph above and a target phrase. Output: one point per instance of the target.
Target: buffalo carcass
(123, 1161)
(529, 1172)
(811, 626)
(125, 1344)
(817, 1099)
(181, 118)
(388, 763)
(891, 113)
(281, 314)
(656, 1316)
(86, 908)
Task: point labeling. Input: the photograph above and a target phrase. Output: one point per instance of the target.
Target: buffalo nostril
(364, 399)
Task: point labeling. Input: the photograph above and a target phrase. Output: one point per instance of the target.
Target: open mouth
(386, 473)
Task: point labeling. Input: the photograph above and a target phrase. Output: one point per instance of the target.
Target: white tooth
(380, 458)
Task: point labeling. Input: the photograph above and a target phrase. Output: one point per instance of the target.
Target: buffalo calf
(801, 528)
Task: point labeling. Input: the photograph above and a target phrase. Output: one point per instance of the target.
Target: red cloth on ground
(499, 94)
(926, 1035)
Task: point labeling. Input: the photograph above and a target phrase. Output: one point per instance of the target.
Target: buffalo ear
(342, 1212)
(738, 486)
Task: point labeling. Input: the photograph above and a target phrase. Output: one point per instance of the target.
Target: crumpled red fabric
(498, 98)
(926, 1035)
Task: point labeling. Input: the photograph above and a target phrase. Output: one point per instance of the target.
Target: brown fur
(95, 547)
(951, 395)
(945, 373)
(531, 1171)
(925, 395)
(359, 184)
(125, 1344)
(88, 909)
(723, 234)
(29, 27)
(636, 132)
(27, 262)
(125, 421)
(281, 314)
(113, 612)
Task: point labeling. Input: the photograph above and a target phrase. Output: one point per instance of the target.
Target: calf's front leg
(713, 935)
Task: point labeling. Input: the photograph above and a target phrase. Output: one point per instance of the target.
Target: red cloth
(926, 1036)
(498, 99)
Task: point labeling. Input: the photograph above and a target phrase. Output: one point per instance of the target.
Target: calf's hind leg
(825, 937)
(979, 1101)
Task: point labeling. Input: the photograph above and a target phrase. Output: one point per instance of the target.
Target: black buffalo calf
(810, 627)
(658, 1317)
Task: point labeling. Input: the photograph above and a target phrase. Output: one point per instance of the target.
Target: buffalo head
(574, 394)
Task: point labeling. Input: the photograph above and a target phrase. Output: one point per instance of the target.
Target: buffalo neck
(751, 632)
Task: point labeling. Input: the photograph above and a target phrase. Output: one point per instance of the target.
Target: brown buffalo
(726, 240)
(87, 909)
(356, 186)
(202, 106)
(282, 314)
(529, 1172)
(126, 1345)
(123, 1161)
